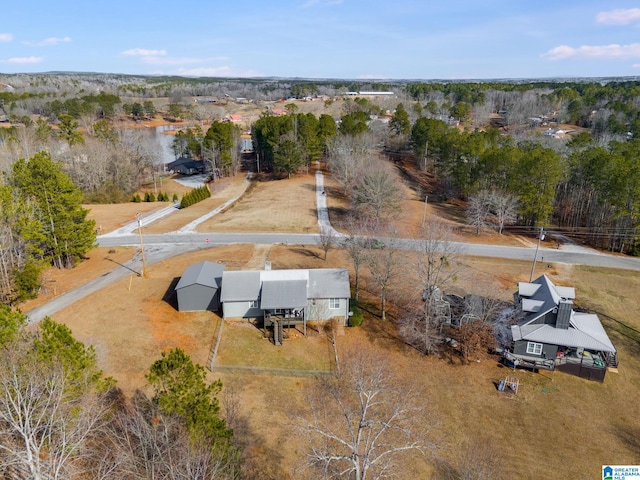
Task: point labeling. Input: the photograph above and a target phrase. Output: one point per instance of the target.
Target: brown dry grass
(221, 191)
(574, 425)
(558, 423)
(286, 205)
(98, 261)
(111, 217)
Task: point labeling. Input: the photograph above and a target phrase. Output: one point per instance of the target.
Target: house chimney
(564, 314)
(267, 265)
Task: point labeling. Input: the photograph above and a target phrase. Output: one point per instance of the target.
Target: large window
(534, 348)
(334, 303)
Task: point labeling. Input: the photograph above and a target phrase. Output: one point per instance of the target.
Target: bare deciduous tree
(377, 193)
(384, 268)
(347, 158)
(436, 269)
(478, 210)
(150, 444)
(44, 431)
(362, 419)
(505, 208)
(356, 246)
(326, 240)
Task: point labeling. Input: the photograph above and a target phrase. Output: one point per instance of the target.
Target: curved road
(162, 246)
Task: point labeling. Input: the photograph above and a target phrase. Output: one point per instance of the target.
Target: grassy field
(557, 423)
(558, 426)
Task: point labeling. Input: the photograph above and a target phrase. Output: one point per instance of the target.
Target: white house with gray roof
(301, 294)
(550, 334)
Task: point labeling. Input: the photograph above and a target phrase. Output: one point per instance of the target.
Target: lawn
(245, 345)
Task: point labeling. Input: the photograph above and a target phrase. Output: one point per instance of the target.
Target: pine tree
(67, 234)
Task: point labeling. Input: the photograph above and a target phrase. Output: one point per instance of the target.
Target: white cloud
(47, 42)
(144, 52)
(218, 72)
(619, 16)
(24, 60)
(6, 37)
(564, 52)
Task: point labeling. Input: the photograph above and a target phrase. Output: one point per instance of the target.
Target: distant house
(554, 132)
(199, 287)
(302, 294)
(551, 335)
(246, 143)
(187, 166)
(235, 118)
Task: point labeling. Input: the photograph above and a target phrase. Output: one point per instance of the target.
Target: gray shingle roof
(239, 286)
(541, 296)
(319, 283)
(329, 283)
(283, 294)
(204, 273)
(585, 331)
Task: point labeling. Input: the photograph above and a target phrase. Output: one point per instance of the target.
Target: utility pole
(424, 214)
(144, 263)
(535, 256)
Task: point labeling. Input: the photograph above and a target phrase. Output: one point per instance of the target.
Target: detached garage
(199, 287)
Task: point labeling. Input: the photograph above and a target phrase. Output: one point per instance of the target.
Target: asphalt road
(159, 247)
(176, 241)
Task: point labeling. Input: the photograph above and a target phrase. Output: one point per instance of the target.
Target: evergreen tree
(11, 322)
(181, 389)
(400, 123)
(55, 344)
(66, 234)
(68, 132)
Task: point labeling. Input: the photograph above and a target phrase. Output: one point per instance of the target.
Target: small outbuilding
(199, 287)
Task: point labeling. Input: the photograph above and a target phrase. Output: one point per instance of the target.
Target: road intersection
(160, 247)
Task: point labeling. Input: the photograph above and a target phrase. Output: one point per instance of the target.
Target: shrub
(356, 319)
(194, 196)
(27, 281)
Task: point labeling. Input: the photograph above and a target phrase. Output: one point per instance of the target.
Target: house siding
(241, 310)
(197, 298)
(548, 351)
(321, 311)
(548, 318)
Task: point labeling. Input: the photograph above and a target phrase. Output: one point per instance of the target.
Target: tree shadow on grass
(629, 435)
(170, 295)
(306, 252)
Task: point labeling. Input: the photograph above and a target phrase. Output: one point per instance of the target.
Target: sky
(349, 39)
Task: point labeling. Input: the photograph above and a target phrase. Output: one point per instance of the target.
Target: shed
(199, 287)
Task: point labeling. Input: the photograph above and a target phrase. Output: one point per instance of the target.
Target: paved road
(203, 240)
(159, 247)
